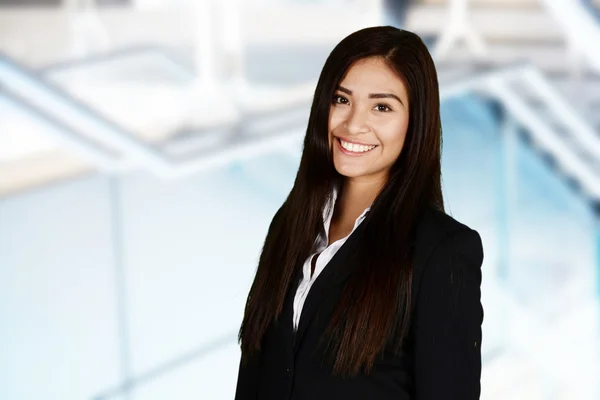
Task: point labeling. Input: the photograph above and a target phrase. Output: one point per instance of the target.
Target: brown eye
(337, 99)
(383, 108)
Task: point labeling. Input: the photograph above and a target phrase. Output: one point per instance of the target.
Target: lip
(350, 153)
(354, 141)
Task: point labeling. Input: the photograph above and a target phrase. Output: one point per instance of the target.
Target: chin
(349, 172)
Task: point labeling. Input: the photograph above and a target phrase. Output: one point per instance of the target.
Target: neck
(356, 195)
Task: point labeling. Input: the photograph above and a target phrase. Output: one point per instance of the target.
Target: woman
(365, 288)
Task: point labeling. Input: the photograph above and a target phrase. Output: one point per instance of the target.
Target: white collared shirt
(326, 254)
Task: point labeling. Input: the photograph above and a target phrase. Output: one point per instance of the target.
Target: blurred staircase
(539, 59)
(536, 32)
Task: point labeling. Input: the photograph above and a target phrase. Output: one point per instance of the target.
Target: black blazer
(441, 358)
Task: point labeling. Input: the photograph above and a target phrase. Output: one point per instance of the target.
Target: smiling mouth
(354, 148)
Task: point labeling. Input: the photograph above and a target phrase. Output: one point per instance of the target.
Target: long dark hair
(363, 323)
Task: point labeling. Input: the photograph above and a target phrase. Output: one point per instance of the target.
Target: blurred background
(146, 144)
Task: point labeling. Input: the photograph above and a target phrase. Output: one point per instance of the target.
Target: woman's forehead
(372, 75)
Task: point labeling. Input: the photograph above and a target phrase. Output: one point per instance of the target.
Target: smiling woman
(366, 288)
(368, 118)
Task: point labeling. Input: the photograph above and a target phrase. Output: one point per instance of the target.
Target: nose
(356, 121)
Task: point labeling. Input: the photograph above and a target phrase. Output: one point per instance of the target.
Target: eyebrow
(373, 95)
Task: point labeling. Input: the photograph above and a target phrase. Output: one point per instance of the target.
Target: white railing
(580, 28)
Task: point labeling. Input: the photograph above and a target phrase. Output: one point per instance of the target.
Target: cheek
(336, 117)
(392, 136)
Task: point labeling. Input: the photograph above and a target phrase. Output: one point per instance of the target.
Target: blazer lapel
(339, 268)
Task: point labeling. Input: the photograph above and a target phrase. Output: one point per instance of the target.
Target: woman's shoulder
(433, 225)
(437, 231)
(448, 255)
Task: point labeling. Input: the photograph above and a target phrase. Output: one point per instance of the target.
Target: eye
(383, 108)
(338, 99)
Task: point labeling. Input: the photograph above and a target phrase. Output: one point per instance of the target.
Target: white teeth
(355, 148)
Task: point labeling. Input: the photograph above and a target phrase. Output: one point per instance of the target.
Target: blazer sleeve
(247, 383)
(448, 318)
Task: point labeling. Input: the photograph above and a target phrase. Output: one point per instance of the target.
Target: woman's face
(368, 120)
